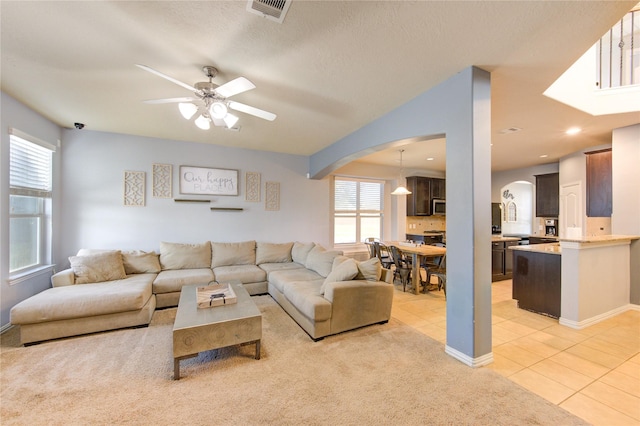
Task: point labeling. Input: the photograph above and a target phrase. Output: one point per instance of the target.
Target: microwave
(438, 207)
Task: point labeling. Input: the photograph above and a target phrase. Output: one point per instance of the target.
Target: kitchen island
(581, 281)
(537, 278)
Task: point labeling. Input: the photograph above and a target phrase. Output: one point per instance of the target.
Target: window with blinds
(358, 210)
(30, 193)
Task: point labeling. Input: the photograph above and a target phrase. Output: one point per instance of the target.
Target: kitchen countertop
(497, 238)
(549, 248)
(601, 238)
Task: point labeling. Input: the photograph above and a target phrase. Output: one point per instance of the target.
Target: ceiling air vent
(274, 10)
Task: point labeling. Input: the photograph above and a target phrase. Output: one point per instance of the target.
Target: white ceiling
(328, 69)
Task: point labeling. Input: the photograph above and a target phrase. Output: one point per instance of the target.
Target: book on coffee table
(215, 295)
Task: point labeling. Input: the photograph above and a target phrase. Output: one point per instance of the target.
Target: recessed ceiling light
(430, 159)
(573, 130)
(544, 156)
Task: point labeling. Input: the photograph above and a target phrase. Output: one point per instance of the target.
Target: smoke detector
(273, 10)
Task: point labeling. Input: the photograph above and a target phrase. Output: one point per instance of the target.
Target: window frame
(43, 213)
(358, 213)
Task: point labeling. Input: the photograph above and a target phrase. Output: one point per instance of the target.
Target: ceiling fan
(215, 103)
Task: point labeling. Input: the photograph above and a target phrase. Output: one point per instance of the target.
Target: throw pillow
(370, 270)
(344, 271)
(97, 268)
(185, 256)
(140, 262)
(321, 260)
(273, 253)
(229, 254)
(300, 251)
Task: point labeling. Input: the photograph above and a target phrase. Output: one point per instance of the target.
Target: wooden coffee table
(201, 329)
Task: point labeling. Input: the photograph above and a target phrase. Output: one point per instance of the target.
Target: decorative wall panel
(134, 188)
(252, 190)
(162, 180)
(272, 197)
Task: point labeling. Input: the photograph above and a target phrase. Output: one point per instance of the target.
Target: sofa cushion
(300, 251)
(172, 281)
(273, 253)
(344, 271)
(185, 256)
(321, 260)
(305, 296)
(370, 270)
(226, 254)
(271, 267)
(279, 279)
(79, 301)
(140, 262)
(243, 273)
(96, 268)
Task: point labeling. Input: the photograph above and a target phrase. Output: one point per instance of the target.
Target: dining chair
(383, 253)
(430, 264)
(402, 267)
(441, 273)
(371, 247)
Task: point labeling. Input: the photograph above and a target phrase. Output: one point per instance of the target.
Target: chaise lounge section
(324, 292)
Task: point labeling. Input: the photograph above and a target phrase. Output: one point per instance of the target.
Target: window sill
(24, 276)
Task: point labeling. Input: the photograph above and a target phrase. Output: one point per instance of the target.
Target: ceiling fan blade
(234, 87)
(166, 77)
(170, 100)
(252, 110)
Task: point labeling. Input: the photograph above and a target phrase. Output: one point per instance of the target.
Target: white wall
(16, 115)
(94, 215)
(521, 194)
(626, 196)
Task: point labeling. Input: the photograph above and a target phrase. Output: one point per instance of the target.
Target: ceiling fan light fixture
(203, 122)
(230, 120)
(218, 109)
(187, 109)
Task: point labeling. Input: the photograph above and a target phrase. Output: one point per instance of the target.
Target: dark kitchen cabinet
(542, 240)
(420, 198)
(536, 282)
(548, 195)
(599, 186)
(423, 190)
(438, 188)
(501, 260)
(427, 239)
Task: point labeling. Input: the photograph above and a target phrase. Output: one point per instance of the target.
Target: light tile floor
(593, 373)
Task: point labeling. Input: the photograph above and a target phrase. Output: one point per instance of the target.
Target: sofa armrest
(358, 303)
(387, 276)
(63, 278)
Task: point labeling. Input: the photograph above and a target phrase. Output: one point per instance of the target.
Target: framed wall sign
(208, 181)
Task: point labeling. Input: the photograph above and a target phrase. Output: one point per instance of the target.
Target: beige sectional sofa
(324, 292)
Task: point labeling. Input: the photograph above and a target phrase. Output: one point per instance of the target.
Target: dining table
(417, 252)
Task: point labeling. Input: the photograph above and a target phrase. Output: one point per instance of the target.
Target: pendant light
(401, 190)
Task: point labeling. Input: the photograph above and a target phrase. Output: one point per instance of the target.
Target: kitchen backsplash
(419, 224)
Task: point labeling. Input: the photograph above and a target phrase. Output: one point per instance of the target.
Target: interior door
(570, 209)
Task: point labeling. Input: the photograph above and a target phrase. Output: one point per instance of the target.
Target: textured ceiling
(328, 69)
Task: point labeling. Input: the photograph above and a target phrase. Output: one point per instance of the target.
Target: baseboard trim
(466, 359)
(579, 325)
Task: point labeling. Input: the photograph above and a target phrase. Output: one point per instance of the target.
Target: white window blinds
(30, 167)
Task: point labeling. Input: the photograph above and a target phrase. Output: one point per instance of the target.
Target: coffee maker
(551, 227)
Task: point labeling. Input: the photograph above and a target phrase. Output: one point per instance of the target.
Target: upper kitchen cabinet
(438, 188)
(423, 191)
(420, 198)
(599, 186)
(548, 195)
